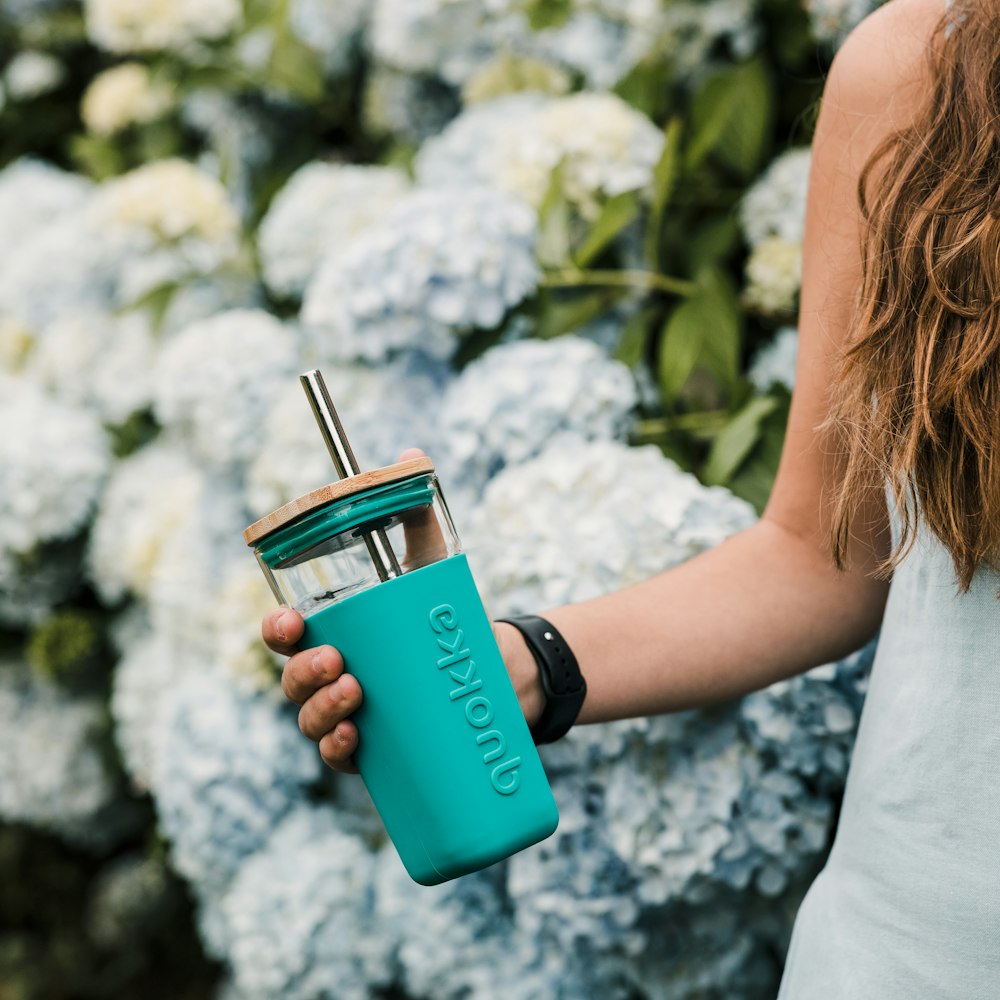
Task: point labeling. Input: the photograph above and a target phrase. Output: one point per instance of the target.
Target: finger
(424, 538)
(328, 706)
(425, 542)
(337, 747)
(282, 629)
(306, 672)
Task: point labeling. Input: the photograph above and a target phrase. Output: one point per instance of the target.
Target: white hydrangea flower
(832, 20)
(150, 667)
(507, 406)
(332, 29)
(122, 96)
(776, 203)
(98, 360)
(53, 462)
(435, 37)
(774, 363)
(33, 194)
(30, 74)
(321, 209)
(601, 40)
(298, 919)
(229, 767)
(217, 379)
(150, 496)
(441, 263)
(585, 518)
(774, 276)
(603, 146)
(173, 201)
(163, 224)
(149, 25)
(238, 607)
(384, 410)
(53, 774)
(190, 570)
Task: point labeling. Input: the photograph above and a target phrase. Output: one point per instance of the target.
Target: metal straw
(377, 542)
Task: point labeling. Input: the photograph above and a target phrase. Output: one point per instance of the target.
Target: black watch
(559, 674)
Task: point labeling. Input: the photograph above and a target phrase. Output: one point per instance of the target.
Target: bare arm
(768, 603)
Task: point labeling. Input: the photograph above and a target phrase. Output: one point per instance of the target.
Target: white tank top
(908, 905)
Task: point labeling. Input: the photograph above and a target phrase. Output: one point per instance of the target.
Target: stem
(704, 420)
(649, 280)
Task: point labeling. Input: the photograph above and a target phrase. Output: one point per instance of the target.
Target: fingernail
(317, 661)
(281, 624)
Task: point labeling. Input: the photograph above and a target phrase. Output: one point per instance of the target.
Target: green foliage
(731, 119)
(544, 14)
(753, 477)
(69, 647)
(703, 332)
(136, 431)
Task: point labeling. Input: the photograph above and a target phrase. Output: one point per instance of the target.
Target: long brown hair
(918, 398)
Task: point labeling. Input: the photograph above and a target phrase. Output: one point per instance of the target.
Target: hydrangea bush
(555, 245)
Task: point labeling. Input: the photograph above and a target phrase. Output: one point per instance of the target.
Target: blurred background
(556, 244)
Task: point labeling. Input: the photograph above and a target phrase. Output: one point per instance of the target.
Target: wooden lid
(335, 491)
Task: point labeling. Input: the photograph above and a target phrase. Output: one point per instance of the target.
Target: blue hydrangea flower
(585, 518)
(229, 767)
(440, 264)
(504, 408)
(298, 920)
(216, 379)
(321, 208)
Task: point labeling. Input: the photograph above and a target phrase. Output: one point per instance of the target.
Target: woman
(891, 470)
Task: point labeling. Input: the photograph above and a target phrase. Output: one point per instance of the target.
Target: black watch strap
(559, 673)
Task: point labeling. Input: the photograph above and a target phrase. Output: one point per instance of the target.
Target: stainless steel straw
(377, 542)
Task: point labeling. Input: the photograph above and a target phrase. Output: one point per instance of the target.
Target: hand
(314, 679)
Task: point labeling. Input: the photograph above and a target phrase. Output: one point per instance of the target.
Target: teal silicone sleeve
(443, 746)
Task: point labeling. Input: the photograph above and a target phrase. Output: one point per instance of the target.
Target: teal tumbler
(375, 567)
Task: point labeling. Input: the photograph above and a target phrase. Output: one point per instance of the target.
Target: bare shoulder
(883, 68)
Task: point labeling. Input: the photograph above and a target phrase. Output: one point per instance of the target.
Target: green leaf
(722, 326)
(681, 346)
(544, 14)
(554, 215)
(634, 339)
(704, 331)
(296, 67)
(558, 316)
(616, 214)
(713, 241)
(736, 440)
(665, 175)
(754, 479)
(731, 118)
(96, 156)
(647, 86)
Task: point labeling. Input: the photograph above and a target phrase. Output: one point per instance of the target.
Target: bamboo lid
(339, 490)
